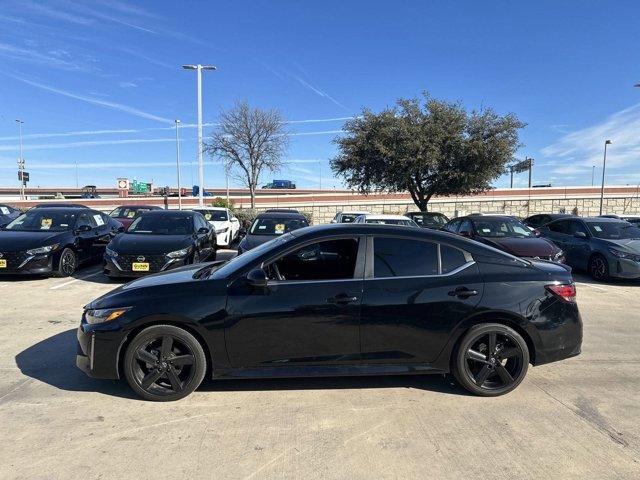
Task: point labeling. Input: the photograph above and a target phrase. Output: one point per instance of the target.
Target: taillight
(565, 291)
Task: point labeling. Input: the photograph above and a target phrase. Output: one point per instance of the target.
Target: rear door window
(560, 226)
(452, 258)
(400, 257)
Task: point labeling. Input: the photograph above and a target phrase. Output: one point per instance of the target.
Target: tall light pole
(20, 161)
(604, 166)
(593, 174)
(320, 177)
(199, 69)
(177, 122)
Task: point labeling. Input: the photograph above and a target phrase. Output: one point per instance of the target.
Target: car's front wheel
(67, 264)
(598, 268)
(164, 363)
(491, 360)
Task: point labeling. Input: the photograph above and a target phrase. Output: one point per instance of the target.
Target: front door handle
(463, 292)
(342, 300)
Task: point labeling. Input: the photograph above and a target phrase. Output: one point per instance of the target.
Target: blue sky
(98, 83)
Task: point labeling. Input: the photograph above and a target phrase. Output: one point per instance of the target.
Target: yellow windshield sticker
(279, 228)
(45, 223)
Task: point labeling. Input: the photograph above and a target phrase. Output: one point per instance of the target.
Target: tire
(490, 375)
(154, 374)
(598, 268)
(67, 263)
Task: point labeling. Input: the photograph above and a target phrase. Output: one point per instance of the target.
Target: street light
(593, 174)
(177, 122)
(604, 166)
(21, 162)
(199, 69)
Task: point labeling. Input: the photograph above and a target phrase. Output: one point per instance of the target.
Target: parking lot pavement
(574, 419)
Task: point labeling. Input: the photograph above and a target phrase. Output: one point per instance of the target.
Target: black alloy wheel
(598, 268)
(492, 359)
(164, 363)
(67, 264)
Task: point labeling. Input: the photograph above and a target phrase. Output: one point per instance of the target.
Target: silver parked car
(604, 247)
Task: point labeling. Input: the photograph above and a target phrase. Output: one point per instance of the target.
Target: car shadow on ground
(52, 361)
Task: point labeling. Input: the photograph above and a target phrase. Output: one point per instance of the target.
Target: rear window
(276, 226)
(399, 257)
(451, 258)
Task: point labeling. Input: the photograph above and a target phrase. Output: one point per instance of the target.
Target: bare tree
(249, 141)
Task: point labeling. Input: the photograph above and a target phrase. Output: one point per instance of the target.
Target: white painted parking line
(55, 287)
(591, 286)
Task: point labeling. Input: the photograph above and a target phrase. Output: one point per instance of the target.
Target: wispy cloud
(584, 148)
(55, 13)
(59, 59)
(127, 84)
(94, 101)
(319, 92)
(81, 133)
(88, 143)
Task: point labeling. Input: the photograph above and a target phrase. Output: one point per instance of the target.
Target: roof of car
(425, 213)
(58, 205)
(297, 216)
(486, 217)
(354, 212)
(601, 219)
(179, 213)
(208, 208)
(152, 207)
(58, 209)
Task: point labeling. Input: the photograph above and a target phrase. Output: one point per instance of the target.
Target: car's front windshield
(614, 230)
(276, 226)
(127, 212)
(391, 221)
(431, 219)
(245, 259)
(349, 217)
(43, 220)
(504, 227)
(213, 215)
(162, 225)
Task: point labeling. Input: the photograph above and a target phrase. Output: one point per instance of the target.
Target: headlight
(104, 314)
(110, 252)
(42, 250)
(222, 230)
(621, 254)
(178, 253)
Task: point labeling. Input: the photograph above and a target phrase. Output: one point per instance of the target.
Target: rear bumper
(559, 333)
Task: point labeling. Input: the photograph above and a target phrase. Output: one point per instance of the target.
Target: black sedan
(337, 300)
(270, 225)
(54, 240)
(428, 219)
(506, 233)
(160, 240)
(541, 219)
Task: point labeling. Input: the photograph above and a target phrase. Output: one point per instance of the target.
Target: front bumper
(98, 351)
(623, 268)
(28, 264)
(113, 268)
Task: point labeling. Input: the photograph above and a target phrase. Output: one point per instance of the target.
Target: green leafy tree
(427, 148)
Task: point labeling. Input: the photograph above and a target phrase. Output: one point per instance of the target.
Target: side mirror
(536, 232)
(334, 221)
(3, 225)
(83, 228)
(121, 229)
(242, 231)
(580, 235)
(234, 219)
(202, 230)
(465, 233)
(257, 278)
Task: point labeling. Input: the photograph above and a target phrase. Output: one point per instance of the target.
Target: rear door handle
(342, 300)
(463, 292)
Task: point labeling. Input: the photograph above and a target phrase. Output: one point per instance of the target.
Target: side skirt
(327, 371)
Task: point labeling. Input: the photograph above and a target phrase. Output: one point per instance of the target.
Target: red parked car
(126, 214)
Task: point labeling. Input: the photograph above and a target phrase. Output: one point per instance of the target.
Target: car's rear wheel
(598, 268)
(491, 360)
(67, 264)
(164, 363)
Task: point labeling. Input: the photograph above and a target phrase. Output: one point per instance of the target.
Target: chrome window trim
(294, 282)
(448, 274)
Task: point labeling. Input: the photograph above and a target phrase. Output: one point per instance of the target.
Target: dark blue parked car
(604, 247)
(8, 213)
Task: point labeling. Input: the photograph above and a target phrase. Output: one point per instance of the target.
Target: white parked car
(226, 225)
(348, 216)
(386, 220)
